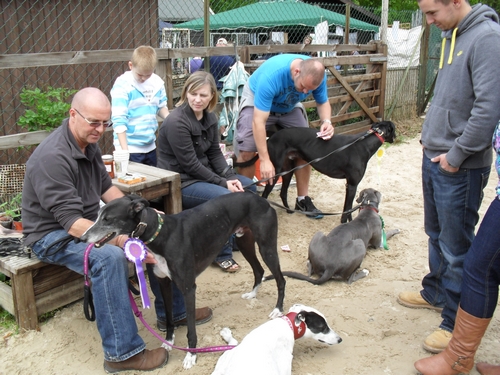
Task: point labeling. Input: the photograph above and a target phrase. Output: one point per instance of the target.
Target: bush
(45, 109)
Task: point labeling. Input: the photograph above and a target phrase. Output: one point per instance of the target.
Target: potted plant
(10, 213)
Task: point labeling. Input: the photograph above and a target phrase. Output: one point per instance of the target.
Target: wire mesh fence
(47, 27)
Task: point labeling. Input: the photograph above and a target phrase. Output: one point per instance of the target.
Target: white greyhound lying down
(267, 350)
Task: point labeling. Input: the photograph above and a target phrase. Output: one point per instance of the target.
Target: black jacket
(191, 148)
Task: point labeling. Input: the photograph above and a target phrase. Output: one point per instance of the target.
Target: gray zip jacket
(466, 104)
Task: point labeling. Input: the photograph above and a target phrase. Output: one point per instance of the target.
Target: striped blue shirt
(134, 109)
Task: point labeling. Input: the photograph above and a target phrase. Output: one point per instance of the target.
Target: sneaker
(414, 300)
(203, 315)
(437, 341)
(306, 205)
(147, 360)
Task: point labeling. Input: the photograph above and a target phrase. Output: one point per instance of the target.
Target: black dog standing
(188, 242)
(349, 163)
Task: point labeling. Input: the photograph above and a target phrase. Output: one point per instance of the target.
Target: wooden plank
(13, 265)
(353, 94)
(173, 201)
(60, 296)
(6, 300)
(52, 276)
(24, 301)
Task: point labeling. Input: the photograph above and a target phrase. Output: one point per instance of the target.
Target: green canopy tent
(276, 13)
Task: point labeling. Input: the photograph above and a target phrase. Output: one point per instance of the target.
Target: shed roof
(276, 13)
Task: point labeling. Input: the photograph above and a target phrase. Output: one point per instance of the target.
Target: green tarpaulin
(276, 13)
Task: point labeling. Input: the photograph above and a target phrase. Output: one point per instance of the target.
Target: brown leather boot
(458, 357)
(487, 369)
(147, 360)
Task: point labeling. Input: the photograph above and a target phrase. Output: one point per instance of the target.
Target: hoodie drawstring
(452, 48)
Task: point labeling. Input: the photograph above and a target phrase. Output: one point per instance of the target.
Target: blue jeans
(201, 192)
(482, 267)
(451, 204)
(108, 271)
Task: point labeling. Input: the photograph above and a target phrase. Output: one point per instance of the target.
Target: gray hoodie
(466, 104)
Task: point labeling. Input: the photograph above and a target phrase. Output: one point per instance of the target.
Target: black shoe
(306, 205)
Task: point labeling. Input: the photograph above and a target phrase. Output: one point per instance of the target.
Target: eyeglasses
(96, 124)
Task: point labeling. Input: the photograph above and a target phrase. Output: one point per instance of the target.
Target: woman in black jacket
(188, 143)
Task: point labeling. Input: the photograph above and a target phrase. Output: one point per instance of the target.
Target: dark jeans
(482, 267)
(147, 158)
(451, 204)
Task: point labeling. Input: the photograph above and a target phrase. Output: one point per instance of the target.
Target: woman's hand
(234, 186)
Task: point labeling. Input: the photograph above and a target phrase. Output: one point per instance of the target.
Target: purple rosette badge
(135, 251)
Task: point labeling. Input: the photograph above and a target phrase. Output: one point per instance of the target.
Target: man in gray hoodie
(457, 155)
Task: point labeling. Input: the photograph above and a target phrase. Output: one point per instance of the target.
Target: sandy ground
(379, 335)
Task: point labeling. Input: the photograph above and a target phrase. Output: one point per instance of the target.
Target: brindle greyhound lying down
(185, 244)
(339, 254)
(268, 349)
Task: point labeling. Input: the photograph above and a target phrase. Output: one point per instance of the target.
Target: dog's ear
(139, 204)
(361, 196)
(300, 317)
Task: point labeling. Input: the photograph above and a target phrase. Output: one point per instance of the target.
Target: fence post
(422, 79)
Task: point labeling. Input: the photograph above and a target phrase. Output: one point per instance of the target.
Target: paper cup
(121, 162)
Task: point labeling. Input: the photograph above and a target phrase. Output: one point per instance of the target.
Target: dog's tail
(295, 275)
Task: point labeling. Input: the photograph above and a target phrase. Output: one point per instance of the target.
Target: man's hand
(326, 131)
(443, 163)
(150, 258)
(266, 170)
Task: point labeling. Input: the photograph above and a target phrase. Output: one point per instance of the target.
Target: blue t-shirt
(274, 89)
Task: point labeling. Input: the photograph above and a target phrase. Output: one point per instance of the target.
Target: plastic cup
(121, 158)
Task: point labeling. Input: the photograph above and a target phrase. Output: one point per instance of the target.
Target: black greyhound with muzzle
(188, 242)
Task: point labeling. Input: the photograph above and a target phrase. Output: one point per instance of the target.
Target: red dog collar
(381, 139)
(298, 329)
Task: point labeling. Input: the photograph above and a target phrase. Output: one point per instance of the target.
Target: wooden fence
(356, 95)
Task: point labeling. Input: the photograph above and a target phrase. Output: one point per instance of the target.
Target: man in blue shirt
(272, 96)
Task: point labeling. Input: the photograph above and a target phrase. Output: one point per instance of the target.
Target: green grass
(7, 323)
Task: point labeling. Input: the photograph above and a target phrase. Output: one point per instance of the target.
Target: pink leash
(90, 314)
(208, 349)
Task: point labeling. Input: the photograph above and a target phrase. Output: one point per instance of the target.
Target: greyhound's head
(386, 129)
(316, 325)
(369, 197)
(119, 216)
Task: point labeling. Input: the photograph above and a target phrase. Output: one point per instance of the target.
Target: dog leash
(309, 212)
(88, 302)
(89, 311)
(369, 132)
(208, 349)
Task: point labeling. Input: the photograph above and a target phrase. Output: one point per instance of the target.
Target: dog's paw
(227, 335)
(189, 361)
(275, 313)
(249, 295)
(364, 272)
(167, 346)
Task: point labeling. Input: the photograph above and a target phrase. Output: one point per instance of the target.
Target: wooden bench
(36, 288)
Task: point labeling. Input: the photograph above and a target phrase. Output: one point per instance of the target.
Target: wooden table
(159, 183)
